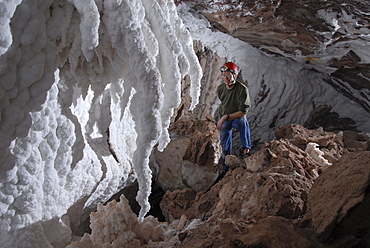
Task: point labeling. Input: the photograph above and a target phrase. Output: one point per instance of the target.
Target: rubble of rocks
(284, 195)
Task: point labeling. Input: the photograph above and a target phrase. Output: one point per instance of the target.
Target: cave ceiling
(329, 36)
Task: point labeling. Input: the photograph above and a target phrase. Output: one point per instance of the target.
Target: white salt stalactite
(174, 41)
(169, 63)
(156, 79)
(89, 26)
(176, 44)
(191, 65)
(7, 11)
(130, 45)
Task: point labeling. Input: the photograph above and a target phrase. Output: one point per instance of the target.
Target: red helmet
(230, 66)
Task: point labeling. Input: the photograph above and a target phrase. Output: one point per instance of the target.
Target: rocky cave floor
(284, 195)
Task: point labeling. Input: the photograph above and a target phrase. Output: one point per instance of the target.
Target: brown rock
(279, 188)
(283, 156)
(338, 203)
(354, 140)
(175, 203)
(300, 136)
(259, 159)
(233, 161)
(274, 198)
(204, 147)
(367, 146)
(204, 204)
(169, 174)
(330, 143)
(272, 231)
(181, 223)
(190, 159)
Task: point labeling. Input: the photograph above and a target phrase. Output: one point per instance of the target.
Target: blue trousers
(226, 136)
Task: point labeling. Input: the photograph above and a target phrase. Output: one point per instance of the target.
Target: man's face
(229, 78)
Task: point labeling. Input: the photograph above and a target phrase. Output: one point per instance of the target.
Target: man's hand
(230, 117)
(221, 122)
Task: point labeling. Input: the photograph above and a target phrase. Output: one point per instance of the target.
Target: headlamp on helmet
(231, 67)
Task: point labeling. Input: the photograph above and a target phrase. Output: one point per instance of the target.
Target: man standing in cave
(234, 106)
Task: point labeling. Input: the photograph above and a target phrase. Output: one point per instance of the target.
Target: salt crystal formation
(115, 225)
(87, 89)
(316, 154)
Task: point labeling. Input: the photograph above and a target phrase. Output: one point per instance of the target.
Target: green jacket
(233, 100)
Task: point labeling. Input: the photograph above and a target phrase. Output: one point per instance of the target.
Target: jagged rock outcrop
(330, 143)
(190, 158)
(175, 203)
(115, 225)
(338, 203)
(280, 186)
(281, 196)
(272, 231)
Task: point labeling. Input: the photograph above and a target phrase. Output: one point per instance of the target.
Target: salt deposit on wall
(87, 89)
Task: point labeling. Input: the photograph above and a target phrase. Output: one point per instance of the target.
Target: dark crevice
(110, 146)
(155, 198)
